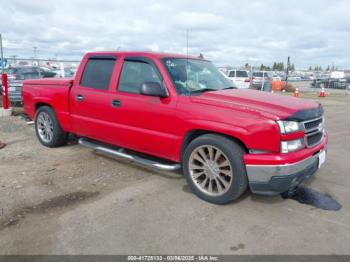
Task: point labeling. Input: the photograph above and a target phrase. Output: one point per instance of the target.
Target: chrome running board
(121, 153)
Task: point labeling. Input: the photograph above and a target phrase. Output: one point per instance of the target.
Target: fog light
(292, 145)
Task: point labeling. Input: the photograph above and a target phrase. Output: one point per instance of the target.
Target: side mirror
(153, 89)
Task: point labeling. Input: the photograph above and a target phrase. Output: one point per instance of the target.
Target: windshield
(193, 76)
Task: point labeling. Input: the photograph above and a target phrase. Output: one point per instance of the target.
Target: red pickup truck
(173, 111)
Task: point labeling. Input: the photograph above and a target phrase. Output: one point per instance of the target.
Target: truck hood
(261, 104)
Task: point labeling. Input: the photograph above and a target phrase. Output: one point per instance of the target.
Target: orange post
(296, 92)
(322, 93)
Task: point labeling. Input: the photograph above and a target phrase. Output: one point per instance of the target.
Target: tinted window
(27, 73)
(97, 73)
(232, 74)
(26, 70)
(241, 74)
(260, 74)
(135, 73)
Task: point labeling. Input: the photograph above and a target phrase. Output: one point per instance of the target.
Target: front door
(147, 123)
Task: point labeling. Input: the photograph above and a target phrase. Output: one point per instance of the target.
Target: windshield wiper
(198, 91)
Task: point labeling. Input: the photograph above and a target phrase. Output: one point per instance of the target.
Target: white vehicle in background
(225, 75)
(260, 77)
(240, 78)
(337, 75)
(276, 77)
(294, 78)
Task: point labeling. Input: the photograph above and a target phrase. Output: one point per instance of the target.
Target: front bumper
(272, 179)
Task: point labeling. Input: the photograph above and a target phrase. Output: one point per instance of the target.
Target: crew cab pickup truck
(173, 111)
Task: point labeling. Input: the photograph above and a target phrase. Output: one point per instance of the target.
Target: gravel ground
(72, 200)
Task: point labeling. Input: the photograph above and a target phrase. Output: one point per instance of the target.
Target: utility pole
(14, 58)
(2, 55)
(35, 51)
(287, 70)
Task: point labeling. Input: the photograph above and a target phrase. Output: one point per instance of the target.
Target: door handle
(79, 98)
(116, 103)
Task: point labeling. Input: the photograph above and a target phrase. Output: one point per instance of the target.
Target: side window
(232, 74)
(97, 73)
(134, 73)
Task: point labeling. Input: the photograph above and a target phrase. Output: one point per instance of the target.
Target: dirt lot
(72, 200)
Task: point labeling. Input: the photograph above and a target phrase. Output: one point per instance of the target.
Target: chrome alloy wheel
(210, 170)
(44, 126)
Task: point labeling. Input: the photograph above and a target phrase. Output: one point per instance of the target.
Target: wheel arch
(40, 104)
(193, 134)
(62, 117)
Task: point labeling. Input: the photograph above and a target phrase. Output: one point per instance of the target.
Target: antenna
(186, 56)
(187, 42)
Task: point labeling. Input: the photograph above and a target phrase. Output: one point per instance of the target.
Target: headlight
(287, 127)
(292, 145)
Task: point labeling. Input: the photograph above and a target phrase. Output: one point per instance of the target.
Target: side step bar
(122, 154)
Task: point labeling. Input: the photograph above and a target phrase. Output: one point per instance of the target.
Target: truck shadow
(153, 171)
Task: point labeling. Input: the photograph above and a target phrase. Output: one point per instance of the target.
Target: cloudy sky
(313, 32)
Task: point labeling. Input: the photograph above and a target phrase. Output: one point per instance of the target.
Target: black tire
(59, 137)
(234, 153)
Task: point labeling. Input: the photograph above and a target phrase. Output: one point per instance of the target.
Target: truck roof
(143, 53)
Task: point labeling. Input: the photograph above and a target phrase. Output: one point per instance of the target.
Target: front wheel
(214, 169)
(48, 129)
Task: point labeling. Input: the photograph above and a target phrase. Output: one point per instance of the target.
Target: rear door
(90, 99)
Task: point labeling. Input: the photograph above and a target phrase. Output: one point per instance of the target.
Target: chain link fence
(19, 69)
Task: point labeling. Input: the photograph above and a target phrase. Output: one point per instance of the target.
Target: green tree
(264, 68)
(280, 66)
(318, 68)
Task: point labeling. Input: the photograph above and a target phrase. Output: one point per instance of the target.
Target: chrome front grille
(313, 131)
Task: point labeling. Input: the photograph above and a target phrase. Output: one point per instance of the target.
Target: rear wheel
(48, 129)
(213, 167)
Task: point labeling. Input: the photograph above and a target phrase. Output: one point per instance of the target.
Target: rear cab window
(98, 72)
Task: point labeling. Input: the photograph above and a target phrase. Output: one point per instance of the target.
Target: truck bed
(53, 92)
